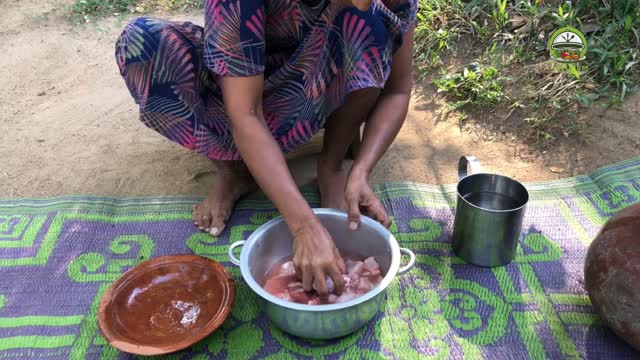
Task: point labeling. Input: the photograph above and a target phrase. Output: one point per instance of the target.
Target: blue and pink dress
(312, 53)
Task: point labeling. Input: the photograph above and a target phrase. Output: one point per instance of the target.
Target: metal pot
(272, 242)
(489, 214)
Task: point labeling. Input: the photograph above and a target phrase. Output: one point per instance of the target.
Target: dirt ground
(69, 125)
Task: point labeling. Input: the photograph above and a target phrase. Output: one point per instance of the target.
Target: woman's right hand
(315, 253)
(316, 257)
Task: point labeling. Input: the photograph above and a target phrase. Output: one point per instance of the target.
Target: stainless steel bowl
(272, 242)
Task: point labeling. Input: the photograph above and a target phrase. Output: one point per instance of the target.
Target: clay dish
(166, 304)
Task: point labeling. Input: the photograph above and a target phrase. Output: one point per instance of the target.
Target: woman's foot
(332, 181)
(231, 181)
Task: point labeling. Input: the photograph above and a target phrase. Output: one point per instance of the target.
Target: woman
(263, 77)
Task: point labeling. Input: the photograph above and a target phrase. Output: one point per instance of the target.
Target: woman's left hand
(362, 200)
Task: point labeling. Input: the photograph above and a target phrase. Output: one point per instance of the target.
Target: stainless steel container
(272, 242)
(489, 214)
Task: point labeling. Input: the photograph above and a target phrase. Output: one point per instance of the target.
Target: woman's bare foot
(332, 181)
(231, 181)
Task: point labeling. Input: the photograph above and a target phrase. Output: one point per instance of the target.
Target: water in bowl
(492, 201)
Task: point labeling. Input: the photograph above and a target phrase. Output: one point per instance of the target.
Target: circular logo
(568, 45)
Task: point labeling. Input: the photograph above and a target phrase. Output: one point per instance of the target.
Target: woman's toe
(196, 215)
(217, 226)
(205, 222)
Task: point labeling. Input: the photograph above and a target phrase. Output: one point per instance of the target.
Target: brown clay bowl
(166, 304)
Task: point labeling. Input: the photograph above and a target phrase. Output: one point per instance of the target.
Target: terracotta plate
(166, 304)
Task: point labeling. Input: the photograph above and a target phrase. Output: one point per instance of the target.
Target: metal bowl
(272, 242)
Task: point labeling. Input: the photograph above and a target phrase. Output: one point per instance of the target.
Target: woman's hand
(381, 128)
(316, 258)
(361, 199)
(315, 254)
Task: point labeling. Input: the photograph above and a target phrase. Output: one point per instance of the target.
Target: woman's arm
(260, 152)
(390, 111)
(380, 130)
(315, 255)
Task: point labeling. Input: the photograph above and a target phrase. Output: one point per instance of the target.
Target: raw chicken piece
(361, 277)
(299, 296)
(288, 268)
(280, 280)
(278, 285)
(364, 285)
(314, 300)
(354, 266)
(371, 268)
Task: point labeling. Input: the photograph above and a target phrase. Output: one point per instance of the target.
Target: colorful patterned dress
(312, 56)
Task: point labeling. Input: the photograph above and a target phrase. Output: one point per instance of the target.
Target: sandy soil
(70, 127)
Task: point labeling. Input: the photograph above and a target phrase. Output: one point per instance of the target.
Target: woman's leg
(160, 62)
(340, 131)
(361, 51)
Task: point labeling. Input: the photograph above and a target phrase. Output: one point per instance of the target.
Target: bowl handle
(232, 257)
(410, 264)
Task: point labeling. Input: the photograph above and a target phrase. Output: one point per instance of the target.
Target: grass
(440, 23)
(499, 13)
(481, 85)
(615, 47)
(84, 11)
(513, 38)
(177, 5)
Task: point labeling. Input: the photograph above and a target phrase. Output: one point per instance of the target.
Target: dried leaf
(556, 170)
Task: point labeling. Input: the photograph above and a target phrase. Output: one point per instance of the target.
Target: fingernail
(353, 225)
(213, 231)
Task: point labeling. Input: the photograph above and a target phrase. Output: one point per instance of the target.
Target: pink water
(362, 276)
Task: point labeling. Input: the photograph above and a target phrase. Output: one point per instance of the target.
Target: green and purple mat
(58, 256)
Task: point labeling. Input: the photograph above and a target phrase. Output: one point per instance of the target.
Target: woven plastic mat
(58, 256)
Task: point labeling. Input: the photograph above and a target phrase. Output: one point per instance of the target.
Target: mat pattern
(58, 256)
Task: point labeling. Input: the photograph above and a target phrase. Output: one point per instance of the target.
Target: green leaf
(628, 22)
(573, 71)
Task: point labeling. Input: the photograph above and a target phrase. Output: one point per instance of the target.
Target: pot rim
(523, 188)
(259, 290)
